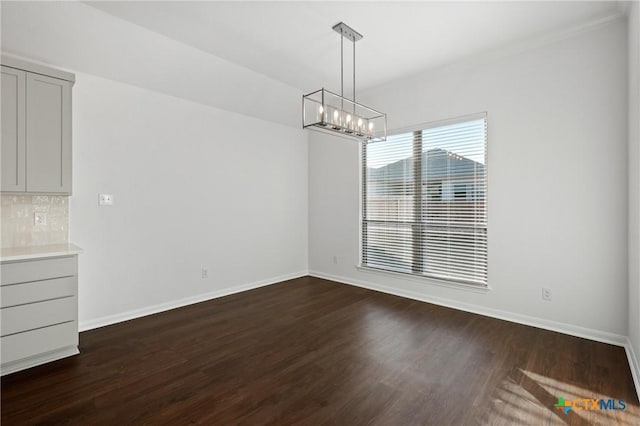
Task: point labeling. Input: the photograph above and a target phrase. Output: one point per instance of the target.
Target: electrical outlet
(39, 218)
(335, 259)
(205, 273)
(546, 294)
(105, 199)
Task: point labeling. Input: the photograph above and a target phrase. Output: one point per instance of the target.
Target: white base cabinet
(38, 311)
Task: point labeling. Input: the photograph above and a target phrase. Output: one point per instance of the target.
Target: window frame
(444, 282)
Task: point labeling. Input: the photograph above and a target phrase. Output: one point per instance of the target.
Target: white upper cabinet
(48, 134)
(36, 129)
(13, 130)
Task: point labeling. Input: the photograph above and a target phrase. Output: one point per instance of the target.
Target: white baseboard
(573, 330)
(149, 310)
(634, 365)
(32, 361)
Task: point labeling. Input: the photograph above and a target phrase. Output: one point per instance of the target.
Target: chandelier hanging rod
(346, 31)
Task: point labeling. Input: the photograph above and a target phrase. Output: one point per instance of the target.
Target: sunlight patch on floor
(527, 397)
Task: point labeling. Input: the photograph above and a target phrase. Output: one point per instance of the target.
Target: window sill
(426, 280)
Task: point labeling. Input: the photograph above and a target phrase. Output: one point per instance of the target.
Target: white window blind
(424, 206)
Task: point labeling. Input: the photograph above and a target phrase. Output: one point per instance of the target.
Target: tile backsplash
(18, 228)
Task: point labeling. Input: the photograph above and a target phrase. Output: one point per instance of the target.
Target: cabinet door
(13, 129)
(48, 134)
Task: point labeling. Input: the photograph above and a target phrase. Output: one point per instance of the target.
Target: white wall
(193, 187)
(634, 185)
(557, 182)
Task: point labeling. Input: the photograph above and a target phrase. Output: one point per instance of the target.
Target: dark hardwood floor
(311, 351)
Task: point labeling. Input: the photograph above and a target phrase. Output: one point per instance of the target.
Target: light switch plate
(39, 218)
(105, 199)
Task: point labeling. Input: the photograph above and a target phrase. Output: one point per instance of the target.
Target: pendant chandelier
(329, 112)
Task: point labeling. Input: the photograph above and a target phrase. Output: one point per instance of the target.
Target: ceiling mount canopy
(332, 113)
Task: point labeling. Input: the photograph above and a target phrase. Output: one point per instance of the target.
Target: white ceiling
(292, 42)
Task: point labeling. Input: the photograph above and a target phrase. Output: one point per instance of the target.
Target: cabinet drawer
(35, 315)
(38, 341)
(37, 291)
(35, 270)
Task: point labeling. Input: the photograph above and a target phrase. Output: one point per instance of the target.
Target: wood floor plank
(311, 351)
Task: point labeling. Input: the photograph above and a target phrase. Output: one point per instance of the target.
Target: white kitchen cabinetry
(38, 311)
(36, 128)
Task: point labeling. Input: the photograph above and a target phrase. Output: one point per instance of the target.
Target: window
(424, 206)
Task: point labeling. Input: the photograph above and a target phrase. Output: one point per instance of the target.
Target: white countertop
(38, 252)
